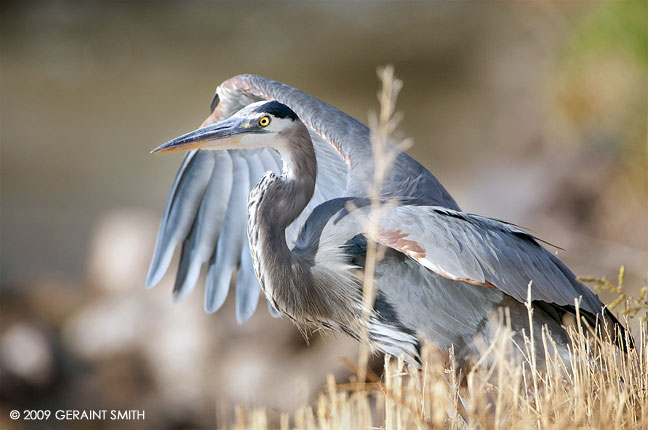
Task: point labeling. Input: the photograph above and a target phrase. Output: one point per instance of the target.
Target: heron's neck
(274, 204)
(289, 194)
(310, 293)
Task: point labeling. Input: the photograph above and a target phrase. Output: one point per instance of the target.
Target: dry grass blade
(382, 126)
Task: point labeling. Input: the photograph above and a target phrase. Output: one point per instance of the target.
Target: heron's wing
(206, 213)
(347, 137)
(207, 202)
(481, 251)
(180, 213)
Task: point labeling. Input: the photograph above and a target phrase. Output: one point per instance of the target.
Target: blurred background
(532, 112)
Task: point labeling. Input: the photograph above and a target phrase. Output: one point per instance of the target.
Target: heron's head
(259, 124)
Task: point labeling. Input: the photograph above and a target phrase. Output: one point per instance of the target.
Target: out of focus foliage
(615, 27)
(602, 83)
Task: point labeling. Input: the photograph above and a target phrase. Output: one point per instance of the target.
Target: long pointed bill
(224, 134)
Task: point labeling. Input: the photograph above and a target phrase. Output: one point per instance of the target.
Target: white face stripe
(273, 131)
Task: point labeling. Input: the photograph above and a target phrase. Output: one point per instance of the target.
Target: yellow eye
(264, 121)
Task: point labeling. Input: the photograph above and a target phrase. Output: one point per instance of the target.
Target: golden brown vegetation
(599, 386)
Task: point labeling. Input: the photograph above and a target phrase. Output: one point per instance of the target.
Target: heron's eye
(264, 121)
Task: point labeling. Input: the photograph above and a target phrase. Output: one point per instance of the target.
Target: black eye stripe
(277, 110)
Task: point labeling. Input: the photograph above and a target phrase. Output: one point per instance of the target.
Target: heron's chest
(261, 256)
(255, 244)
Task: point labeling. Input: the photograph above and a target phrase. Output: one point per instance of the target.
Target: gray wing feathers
(200, 245)
(247, 285)
(482, 251)
(445, 310)
(332, 172)
(180, 211)
(230, 244)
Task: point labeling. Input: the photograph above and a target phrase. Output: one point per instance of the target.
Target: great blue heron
(444, 272)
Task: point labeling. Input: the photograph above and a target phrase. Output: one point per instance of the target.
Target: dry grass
(598, 386)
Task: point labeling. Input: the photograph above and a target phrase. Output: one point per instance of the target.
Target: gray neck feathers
(310, 295)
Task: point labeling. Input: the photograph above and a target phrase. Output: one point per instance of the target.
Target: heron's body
(444, 275)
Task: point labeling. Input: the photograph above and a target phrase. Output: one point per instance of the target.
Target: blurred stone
(121, 248)
(105, 327)
(178, 350)
(54, 298)
(25, 352)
